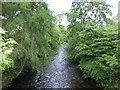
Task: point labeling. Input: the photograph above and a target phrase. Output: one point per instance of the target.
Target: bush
(95, 50)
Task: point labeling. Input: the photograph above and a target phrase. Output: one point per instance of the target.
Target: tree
(32, 26)
(92, 42)
(87, 11)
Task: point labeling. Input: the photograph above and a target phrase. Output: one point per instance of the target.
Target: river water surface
(60, 74)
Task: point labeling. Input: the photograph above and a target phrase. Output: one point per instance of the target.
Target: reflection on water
(60, 74)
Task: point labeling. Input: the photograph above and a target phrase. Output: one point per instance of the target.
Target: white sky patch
(114, 3)
(59, 6)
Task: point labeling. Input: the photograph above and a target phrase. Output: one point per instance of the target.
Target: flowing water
(60, 74)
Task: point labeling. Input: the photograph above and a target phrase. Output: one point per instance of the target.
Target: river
(60, 74)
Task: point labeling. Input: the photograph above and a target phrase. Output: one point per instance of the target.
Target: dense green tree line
(92, 42)
(31, 38)
(32, 26)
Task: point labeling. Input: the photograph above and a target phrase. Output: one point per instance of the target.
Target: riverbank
(60, 74)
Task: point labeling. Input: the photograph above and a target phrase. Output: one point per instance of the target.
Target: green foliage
(6, 63)
(93, 45)
(6, 47)
(95, 50)
(86, 11)
(32, 26)
(62, 35)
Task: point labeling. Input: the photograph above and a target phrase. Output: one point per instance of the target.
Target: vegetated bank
(92, 42)
(31, 25)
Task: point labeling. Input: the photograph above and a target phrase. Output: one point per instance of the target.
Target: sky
(114, 3)
(59, 6)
